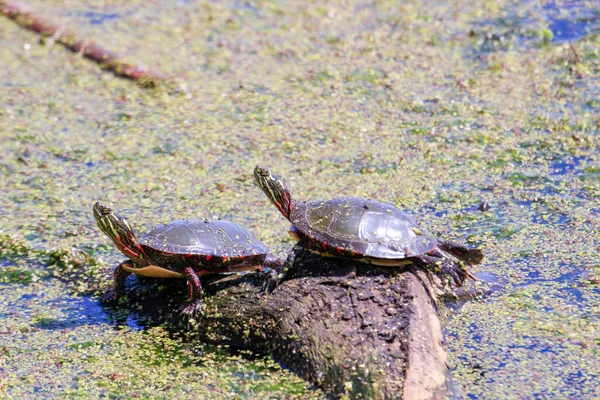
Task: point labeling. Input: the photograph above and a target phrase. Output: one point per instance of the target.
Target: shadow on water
(77, 311)
(149, 303)
(154, 302)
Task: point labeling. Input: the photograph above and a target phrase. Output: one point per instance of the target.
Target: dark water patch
(536, 272)
(573, 293)
(441, 213)
(531, 24)
(571, 19)
(95, 18)
(563, 167)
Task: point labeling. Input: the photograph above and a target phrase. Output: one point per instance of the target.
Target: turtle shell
(361, 227)
(219, 239)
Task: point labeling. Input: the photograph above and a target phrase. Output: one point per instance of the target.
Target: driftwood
(24, 17)
(354, 330)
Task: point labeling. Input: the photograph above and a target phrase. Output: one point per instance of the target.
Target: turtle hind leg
(275, 276)
(445, 268)
(194, 305)
(278, 274)
(455, 271)
(466, 254)
(271, 279)
(274, 266)
(120, 274)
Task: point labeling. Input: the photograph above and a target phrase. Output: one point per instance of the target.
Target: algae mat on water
(433, 106)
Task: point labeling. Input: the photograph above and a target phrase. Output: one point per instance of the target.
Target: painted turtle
(365, 230)
(187, 248)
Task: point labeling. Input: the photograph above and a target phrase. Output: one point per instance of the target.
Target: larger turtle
(365, 230)
(188, 248)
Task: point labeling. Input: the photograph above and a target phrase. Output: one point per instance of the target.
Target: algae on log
(355, 330)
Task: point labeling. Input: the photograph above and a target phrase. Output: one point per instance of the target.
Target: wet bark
(351, 329)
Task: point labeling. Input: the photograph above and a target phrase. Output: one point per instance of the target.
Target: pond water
(435, 107)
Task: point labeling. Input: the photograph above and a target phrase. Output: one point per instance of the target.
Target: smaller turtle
(365, 230)
(188, 248)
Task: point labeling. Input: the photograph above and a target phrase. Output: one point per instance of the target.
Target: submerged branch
(89, 49)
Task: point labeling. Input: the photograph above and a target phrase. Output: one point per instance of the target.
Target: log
(354, 330)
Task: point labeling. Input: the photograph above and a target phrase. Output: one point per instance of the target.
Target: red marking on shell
(339, 250)
(208, 257)
(324, 245)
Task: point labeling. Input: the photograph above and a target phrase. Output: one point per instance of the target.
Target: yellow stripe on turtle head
(417, 231)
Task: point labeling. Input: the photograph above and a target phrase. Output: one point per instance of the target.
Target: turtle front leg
(194, 306)
(120, 274)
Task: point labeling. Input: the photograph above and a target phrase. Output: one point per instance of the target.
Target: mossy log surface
(353, 330)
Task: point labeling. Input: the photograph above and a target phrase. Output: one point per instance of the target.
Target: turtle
(186, 248)
(365, 230)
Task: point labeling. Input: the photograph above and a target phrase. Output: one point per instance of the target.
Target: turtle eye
(103, 210)
(261, 171)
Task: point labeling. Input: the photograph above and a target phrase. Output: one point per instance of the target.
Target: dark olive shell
(366, 227)
(218, 238)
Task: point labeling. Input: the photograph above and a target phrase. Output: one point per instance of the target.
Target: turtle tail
(466, 254)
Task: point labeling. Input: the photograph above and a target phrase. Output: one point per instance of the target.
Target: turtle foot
(456, 272)
(272, 279)
(191, 309)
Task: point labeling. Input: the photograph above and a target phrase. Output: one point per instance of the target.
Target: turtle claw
(191, 309)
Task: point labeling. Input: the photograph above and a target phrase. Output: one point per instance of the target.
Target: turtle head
(275, 189)
(117, 229)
